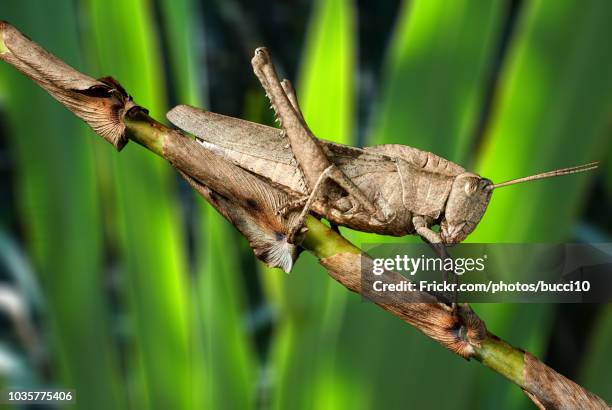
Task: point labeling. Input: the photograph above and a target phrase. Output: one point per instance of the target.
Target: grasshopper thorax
(467, 203)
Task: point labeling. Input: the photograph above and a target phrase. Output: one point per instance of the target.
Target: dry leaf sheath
(252, 204)
(102, 103)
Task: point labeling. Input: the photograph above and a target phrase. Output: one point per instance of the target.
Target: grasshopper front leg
(313, 162)
(439, 247)
(423, 230)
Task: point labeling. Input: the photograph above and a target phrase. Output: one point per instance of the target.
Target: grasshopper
(386, 189)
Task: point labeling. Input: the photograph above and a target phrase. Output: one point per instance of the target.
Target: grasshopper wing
(264, 151)
(254, 147)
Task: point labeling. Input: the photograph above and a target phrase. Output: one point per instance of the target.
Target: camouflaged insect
(387, 189)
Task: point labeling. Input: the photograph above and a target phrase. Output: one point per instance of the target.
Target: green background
(121, 283)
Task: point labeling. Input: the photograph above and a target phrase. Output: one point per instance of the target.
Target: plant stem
(503, 358)
(146, 131)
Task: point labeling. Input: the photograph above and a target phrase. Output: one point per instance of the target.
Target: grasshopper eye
(470, 187)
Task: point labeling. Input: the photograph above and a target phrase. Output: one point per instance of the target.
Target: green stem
(146, 131)
(503, 358)
(323, 242)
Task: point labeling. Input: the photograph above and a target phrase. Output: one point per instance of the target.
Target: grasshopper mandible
(387, 189)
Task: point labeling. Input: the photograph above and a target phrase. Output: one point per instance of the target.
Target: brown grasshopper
(387, 189)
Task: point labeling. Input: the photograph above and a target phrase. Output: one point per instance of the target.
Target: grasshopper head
(467, 203)
(470, 195)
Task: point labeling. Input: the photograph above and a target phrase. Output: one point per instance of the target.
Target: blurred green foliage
(152, 300)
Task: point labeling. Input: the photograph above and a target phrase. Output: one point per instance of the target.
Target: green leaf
(184, 39)
(123, 42)
(219, 300)
(436, 73)
(230, 361)
(59, 209)
(596, 368)
(311, 305)
(552, 111)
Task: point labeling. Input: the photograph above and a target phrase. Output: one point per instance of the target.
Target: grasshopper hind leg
(299, 222)
(305, 146)
(292, 97)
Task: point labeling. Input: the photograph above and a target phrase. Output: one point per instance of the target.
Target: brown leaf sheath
(102, 103)
(460, 332)
(267, 244)
(249, 203)
(552, 390)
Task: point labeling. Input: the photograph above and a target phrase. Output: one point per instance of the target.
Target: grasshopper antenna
(549, 174)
